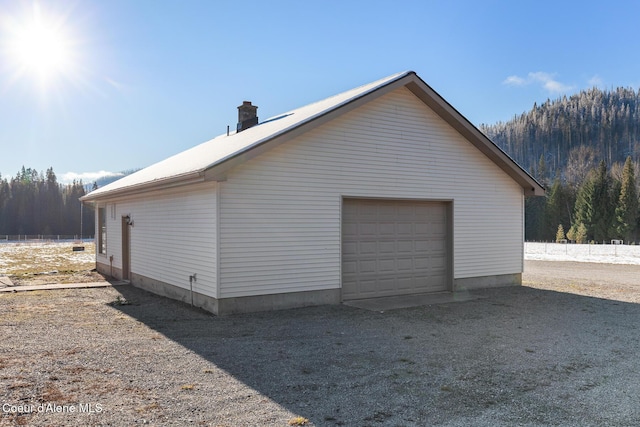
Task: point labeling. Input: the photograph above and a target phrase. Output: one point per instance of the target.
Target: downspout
(218, 228)
(192, 279)
(524, 241)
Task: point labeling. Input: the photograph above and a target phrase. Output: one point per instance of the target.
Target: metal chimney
(247, 116)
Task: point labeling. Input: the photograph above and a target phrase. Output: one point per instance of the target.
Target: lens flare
(38, 44)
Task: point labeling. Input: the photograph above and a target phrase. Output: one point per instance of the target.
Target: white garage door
(393, 247)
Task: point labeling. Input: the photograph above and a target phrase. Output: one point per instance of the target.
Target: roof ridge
(197, 163)
(374, 85)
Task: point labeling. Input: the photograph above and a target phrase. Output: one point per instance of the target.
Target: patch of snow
(45, 255)
(608, 254)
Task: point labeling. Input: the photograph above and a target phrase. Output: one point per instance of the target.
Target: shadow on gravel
(519, 356)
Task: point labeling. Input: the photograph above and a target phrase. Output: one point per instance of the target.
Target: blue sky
(142, 80)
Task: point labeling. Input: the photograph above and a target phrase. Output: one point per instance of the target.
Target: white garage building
(381, 190)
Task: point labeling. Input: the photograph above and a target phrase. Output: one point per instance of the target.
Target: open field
(47, 262)
(560, 351)
(610, 254)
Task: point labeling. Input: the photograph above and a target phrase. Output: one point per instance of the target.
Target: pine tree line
(603, 207)
(34, 203)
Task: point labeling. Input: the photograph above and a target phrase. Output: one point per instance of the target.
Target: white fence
(612, 254)
(13, 238)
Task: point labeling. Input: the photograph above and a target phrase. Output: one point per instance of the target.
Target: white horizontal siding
(173, 237)
(280, 212)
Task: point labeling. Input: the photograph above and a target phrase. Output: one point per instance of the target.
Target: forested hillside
(607, 122)
(33, 203)
(586, 150)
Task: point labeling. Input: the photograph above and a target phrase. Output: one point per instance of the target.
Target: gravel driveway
(562, 350)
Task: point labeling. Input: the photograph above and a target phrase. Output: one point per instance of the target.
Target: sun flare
(42, 49)
(39, 45)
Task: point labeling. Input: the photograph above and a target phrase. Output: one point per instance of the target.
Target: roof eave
(460, 123)
(159, 184)
(218, 170)
(425, 93)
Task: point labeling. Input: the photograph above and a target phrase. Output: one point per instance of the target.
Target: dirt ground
(561, 350)
(47, 262)
(83, 276)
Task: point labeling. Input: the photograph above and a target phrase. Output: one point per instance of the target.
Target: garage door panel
(422, 246)
(405, 264)
(387, 247)
(368, 248)
(350, 229)
(386, 229)
(423, 210)
(368, 229)
(405, 247)
(422, 263)
(364, 287)
(349, 267)
(387, 266)
(437, 246)
(406, 284)
(404, 212)
(383, 209)
(438, 263)
(424, 230)
(365, 267)
(387, 284)
(400, 248)
(349, 249)
(405, 228)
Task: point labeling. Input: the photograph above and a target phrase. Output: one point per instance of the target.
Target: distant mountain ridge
(602, 124)
(101, 182)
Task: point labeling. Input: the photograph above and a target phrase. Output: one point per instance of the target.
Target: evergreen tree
(593, 206)
(577, 233)
(22, 210)
(72, 206)
(5, 195)
(616, 188)
(560, 234)
(603, 208)
(542, 174)
(581, 233)
(626, 213)
(52, 201)
(571, 234)
(583, 211)
(36, 204)
(559, 206)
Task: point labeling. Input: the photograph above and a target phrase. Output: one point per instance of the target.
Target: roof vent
(247, 116)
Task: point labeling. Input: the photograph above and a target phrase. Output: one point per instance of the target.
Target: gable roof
(212, 159)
